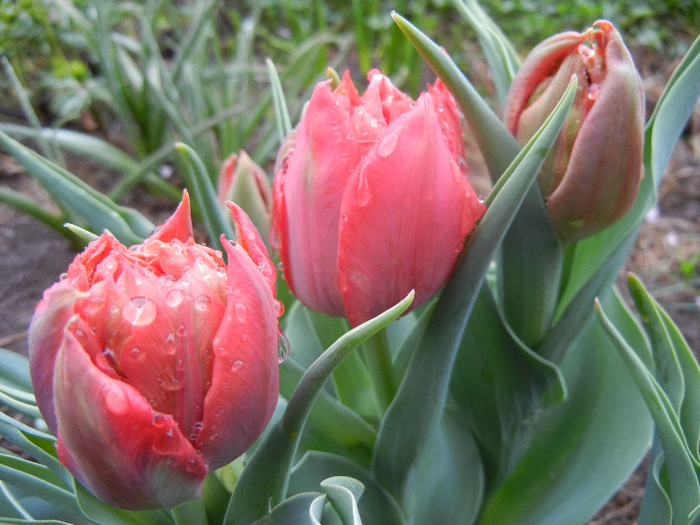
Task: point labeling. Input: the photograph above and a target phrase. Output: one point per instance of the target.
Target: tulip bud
(242, 181)
(156, 364)
(592, 174)
(371, 198)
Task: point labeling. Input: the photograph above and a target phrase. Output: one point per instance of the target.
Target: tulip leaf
(420, 400)
(496, 143)
(93, 147)
(292, 510)
(35, 443)
(265, 478)
(376, 506)
(500, 388)
(681, 463)
(33, 489)
(672, 112)
(204, 194)
(583, 448)
(100, 512)
(282, 119)
(75, 197)
(502, 59)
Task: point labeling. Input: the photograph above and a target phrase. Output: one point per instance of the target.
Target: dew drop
(241, 312)
(139, 311)
(593, 91)
(174, 298)
(237, 365)
(283, 352)
(388, 143)
(136, 353)
(202, 302)
(181, 329)
(363, 191)
(169, 347)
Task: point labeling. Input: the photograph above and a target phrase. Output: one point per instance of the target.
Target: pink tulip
(592, 176)
(156, 364)
(371, 198)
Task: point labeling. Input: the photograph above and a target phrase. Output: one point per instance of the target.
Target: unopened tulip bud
(242, 181)
(593, 172)
(157, 364)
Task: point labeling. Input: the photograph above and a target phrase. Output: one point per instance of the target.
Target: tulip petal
(45, 335)
(112, 441)
(577, 206)
(308, 190)
(413, 220)
(245, 376)
(178, 226)
(249, 238)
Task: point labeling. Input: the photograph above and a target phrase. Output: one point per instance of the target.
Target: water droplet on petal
(593, 91)
(283, 348)
(139, 311)
(241, 312)
(136, 353)
(237, 365)
(169, 347)
(174, 298)
(202, 302)
(387, 144)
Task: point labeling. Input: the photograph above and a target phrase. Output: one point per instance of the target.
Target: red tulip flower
(156, 364)
(592, 175)
(371, 198)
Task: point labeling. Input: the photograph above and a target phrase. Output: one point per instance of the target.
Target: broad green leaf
(583, 448)
(680, 461)
(266, 476)
(501, 388)
(376, 506)
(419, 403)
(496, 143)
(656, 506)
(100, 512)
(451, 458)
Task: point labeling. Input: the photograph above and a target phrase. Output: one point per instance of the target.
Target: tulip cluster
(371, 198)
(156, 364)
(592, 175)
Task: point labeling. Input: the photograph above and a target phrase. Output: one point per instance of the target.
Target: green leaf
(418, 405)
(680, 462)
(376, 507)
(500, 392)
(343, 493)
(496, 143)
(583, 448)
(502, 58)
(292, 510)
(204, 194)
(282, 119)
(74, 196)
(265, 478)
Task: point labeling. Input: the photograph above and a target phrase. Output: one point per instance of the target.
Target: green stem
(189, 513)
(377, 357)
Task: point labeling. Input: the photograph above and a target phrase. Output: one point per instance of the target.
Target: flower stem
(377, 357)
